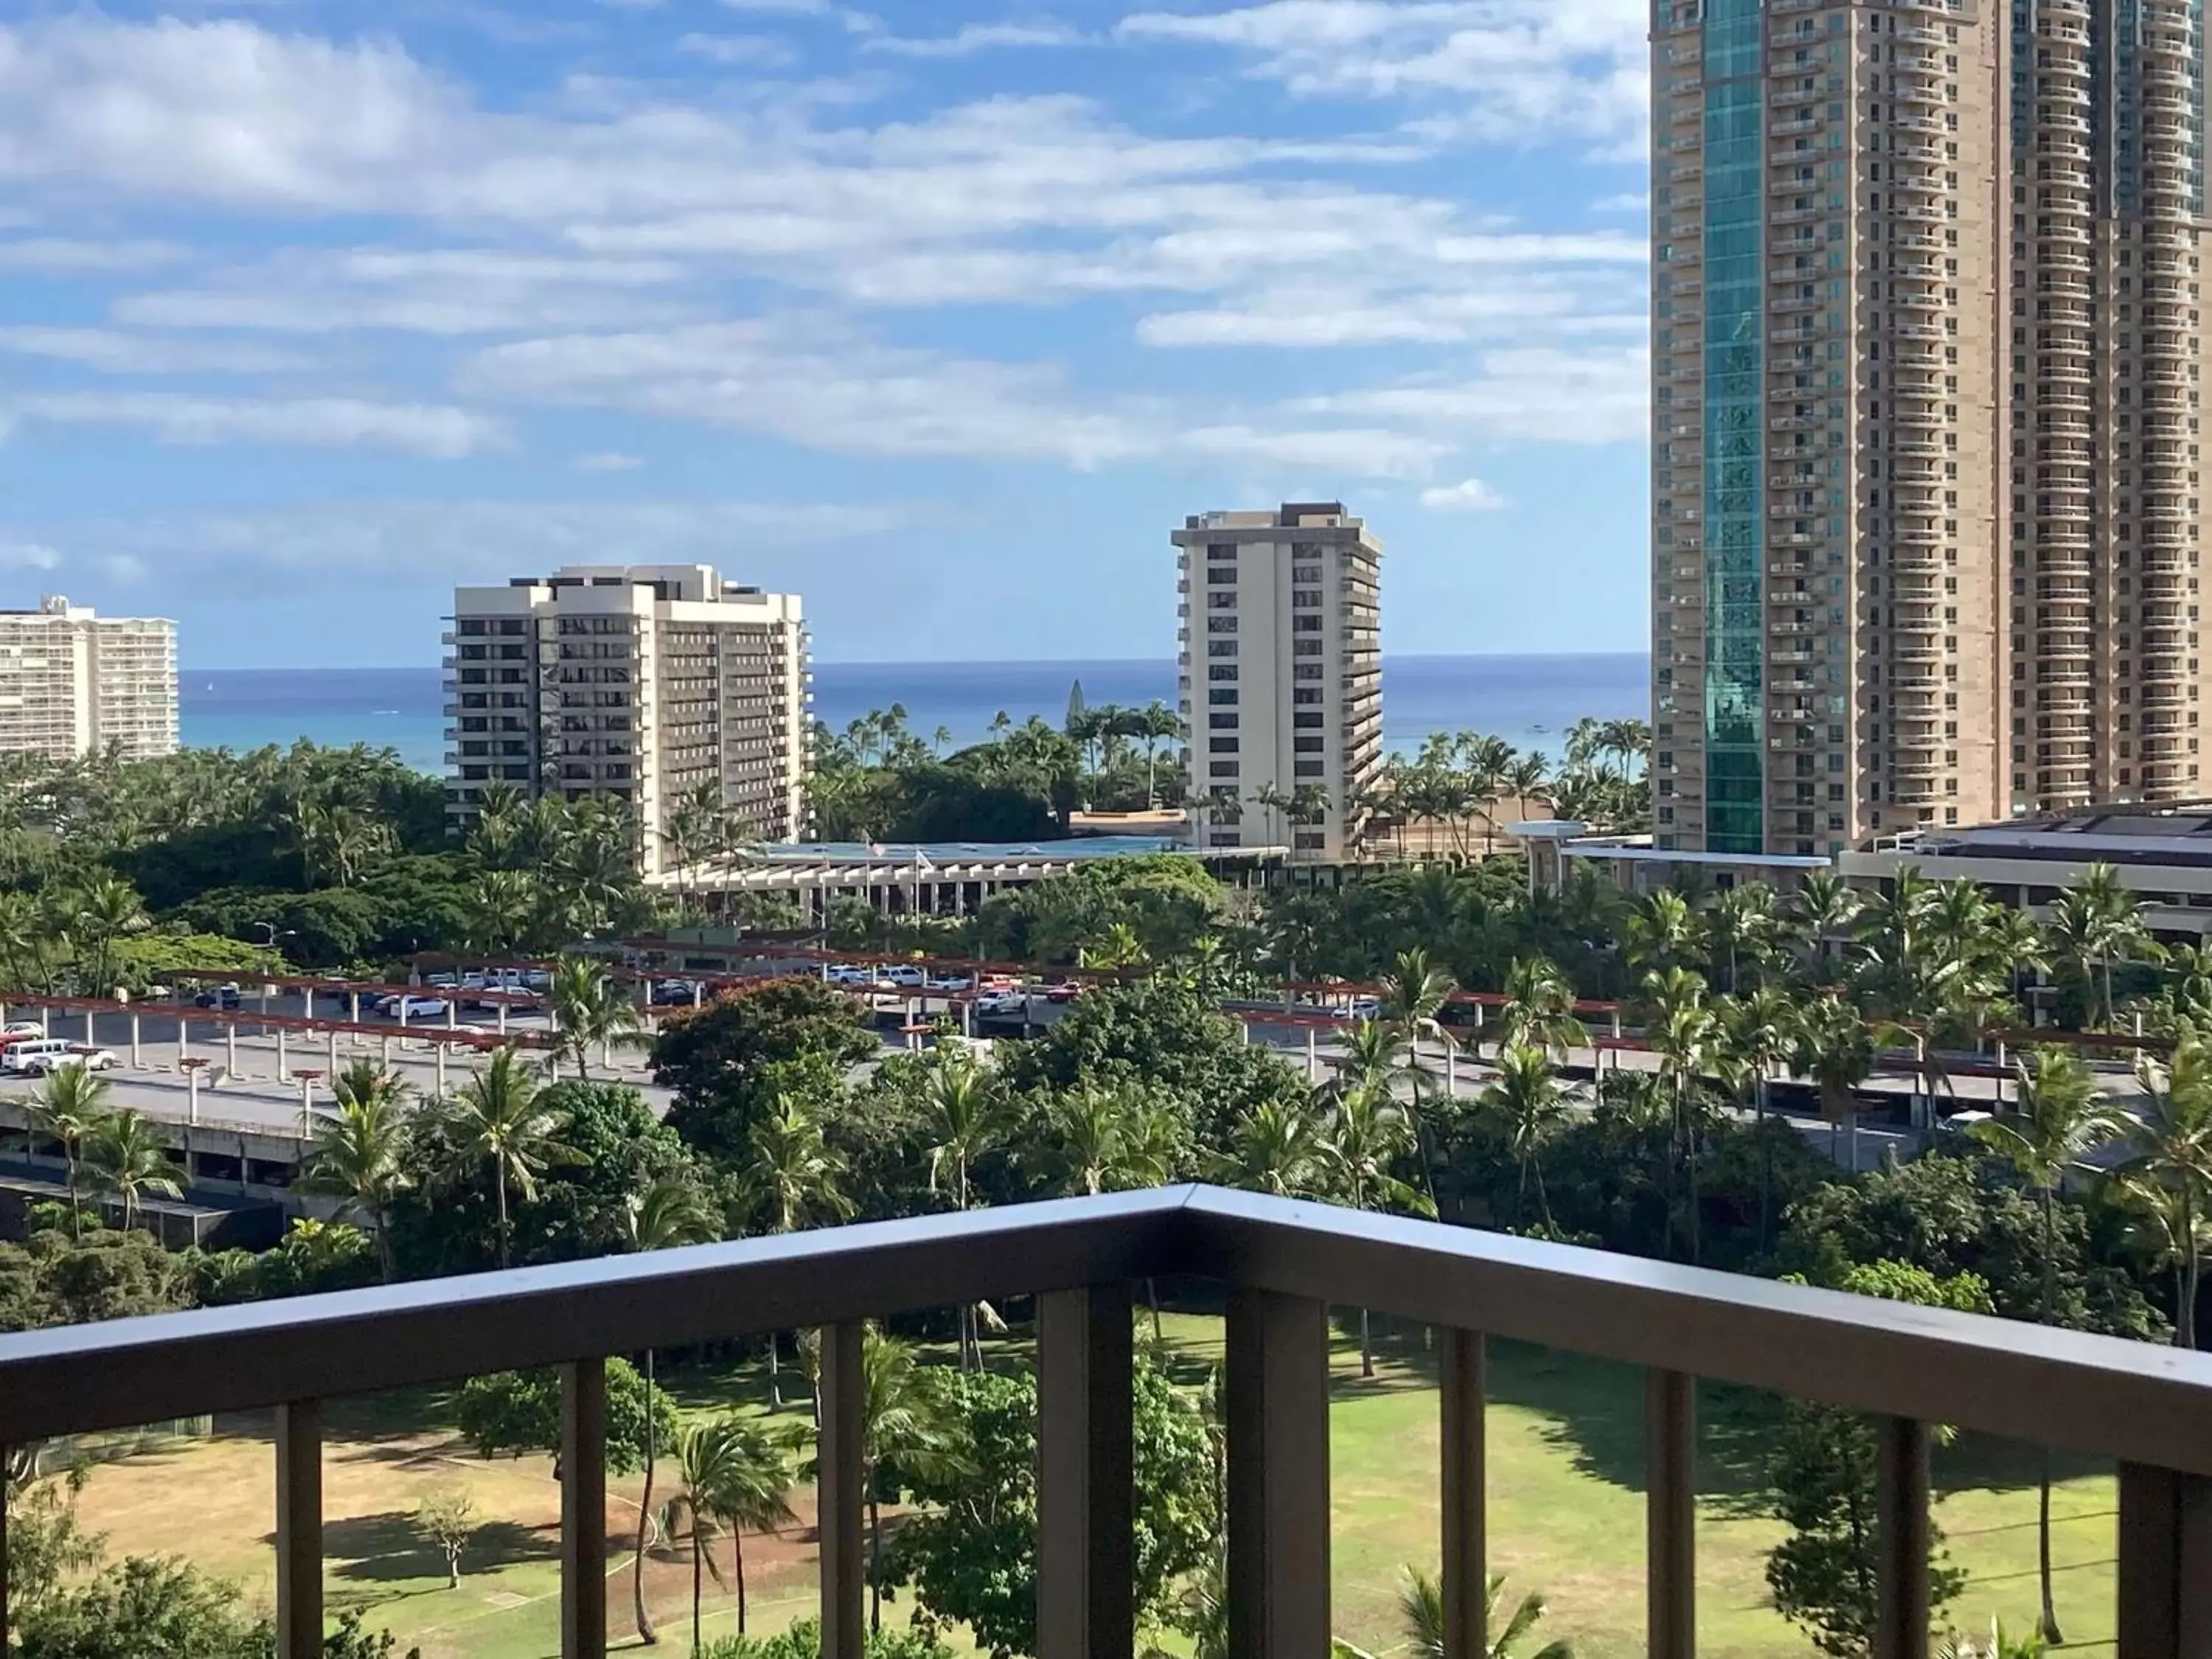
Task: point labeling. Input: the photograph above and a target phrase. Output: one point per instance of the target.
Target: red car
(1066, 991)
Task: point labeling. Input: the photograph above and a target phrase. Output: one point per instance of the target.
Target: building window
(1222, 699)
(1221, 550)
(1222, 722)
(1309, 746)
(1308, 768)
(1221, 601)
(1221, 575)
(1221, 647)
(1305, 695)
(1222, 838)
(1302, 718)
(1221, 745)
(1306, 598)
(1310, 839)
(1221, 624)
(1221, 769)
(1306, 624)
(1222, 672)
(1307, 649)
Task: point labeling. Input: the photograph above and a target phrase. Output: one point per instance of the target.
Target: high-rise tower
(1925, 365)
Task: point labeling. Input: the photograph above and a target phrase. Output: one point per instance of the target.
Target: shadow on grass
(392, 1546)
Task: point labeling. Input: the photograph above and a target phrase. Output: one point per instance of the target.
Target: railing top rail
(2100, 1395)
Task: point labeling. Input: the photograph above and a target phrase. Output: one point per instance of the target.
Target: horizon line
(940, 662)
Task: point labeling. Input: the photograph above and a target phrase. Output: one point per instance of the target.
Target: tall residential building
(74, 683)
(1281, 675)
(637, 682)
(1926, 365)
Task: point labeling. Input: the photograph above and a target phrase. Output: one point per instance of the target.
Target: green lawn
(1566, 1512)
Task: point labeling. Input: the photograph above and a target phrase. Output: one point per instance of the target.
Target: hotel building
(635, 681)
(1280, 682)
(1926, 377)
(74, 683)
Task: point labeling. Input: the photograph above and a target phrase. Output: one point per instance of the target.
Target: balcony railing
(1284, 1264)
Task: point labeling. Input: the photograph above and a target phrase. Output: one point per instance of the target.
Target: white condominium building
(637, 682)
(1281, 677)
(74, 683)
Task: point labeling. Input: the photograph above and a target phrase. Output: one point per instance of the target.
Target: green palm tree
(1683, 1032)
(1742, 926)
(589, 1012)
(1664, 932)
(2096, 922)
(794, 1176)
(756, 1492)
(1421, 1607)
(71, 1103)
(2058, 1120)
(499, 1118)
(1761, 1028)
(705, 1457)
(1540, 1010)
(124, 1155)
(1529, 1103)
(1277, 1147)
(107, 908)
(361, 1155)
(1368, 1135)
(668, 1214)
(1836, 1049)
(1822, 910)
(963, 1116)
(904, 1424)
(1098, 1142)
(2169, 1147)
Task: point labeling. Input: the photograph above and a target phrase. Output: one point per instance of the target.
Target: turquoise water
(1528, 701)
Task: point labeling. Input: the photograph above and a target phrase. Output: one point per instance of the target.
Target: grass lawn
(1566, 1507)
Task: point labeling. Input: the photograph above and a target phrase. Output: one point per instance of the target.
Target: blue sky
(943, 314)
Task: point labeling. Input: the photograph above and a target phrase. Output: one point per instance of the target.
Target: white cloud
(1469, 496)
(813, 384)
(854, 22)
(489, 540)
(114, 351)
(1628, 201)
(61, 256)
(1339, 452)
(29, 556)
(431, 430)
(1540, 394)
(738, 51)
(1511, 70)
(973, 37)
(607, 460)
(815, 387)
(450, 291)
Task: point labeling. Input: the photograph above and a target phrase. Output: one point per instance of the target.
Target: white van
(45, 1053)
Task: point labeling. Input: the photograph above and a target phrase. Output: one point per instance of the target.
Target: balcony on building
(1278, 1266)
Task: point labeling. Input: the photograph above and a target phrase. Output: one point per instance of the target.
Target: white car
(844, 973)
(412, 1007)
(22, 1028)
(948, 982)
(1001, 1004)
(909, 975)
(1365, 1007)
(41, 1062)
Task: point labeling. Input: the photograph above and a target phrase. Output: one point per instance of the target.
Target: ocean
(1528, 701)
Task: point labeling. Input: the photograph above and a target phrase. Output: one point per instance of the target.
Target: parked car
(1066, 991)
(36, 1059)
(846, 973)
(412, 1007)
(1001, 1004)
(16, 1029)
(1365, 1007)
(948, 982)
(222, 996)
(909, 976)
(676, 992)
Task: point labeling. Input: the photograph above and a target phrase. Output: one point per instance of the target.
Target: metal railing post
(300, 1530)
(1670, 1565)
(1465, 1529)
(842, 1494)
(2165, 1564)
(1904, 1611)
(584, 1510)
(1277, 1390)
(1086, 1570)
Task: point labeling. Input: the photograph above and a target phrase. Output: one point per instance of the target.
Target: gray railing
(1284, 1263)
